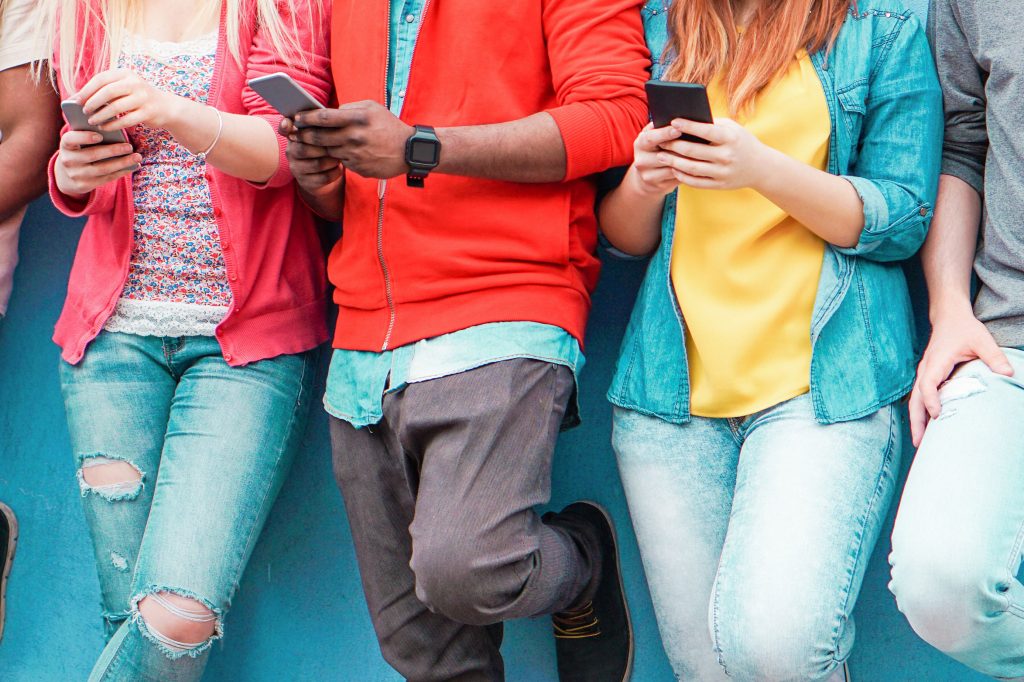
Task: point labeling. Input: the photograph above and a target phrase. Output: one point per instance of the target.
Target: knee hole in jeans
(111, 478)
(178, 624)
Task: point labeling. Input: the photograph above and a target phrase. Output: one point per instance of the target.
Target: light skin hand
(120, 98)
(246, 146)
(957, 337)
(734, 159)
(630, 216)
(825, 204)
(83, 165)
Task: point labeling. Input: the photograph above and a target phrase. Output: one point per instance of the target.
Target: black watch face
(424, 152)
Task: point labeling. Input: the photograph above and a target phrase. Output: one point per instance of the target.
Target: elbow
(630, 245)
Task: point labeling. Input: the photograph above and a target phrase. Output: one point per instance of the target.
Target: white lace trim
(164, 51)
(162, 318)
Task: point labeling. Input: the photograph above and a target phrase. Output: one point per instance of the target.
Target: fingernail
(96, 137)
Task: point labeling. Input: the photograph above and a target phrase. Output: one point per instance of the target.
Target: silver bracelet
(220, 131)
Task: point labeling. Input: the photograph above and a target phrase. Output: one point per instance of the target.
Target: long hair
(74, 22)
(706, 44)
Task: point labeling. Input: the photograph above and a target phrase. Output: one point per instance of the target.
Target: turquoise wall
(300, 613)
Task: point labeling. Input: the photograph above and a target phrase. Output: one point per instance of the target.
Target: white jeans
(956, 556)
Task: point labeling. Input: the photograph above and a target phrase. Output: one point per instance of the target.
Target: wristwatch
(422, 154)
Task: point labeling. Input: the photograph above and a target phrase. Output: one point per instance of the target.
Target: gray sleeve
(963, 89)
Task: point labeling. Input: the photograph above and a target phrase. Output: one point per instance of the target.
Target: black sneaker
(8, 541)
(594, 641)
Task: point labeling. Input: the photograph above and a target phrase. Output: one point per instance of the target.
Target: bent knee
(178, 624)
(779, 656)
(459, 583)
(948, 602)
(761, 641)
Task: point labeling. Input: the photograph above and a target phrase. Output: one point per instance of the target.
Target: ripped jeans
(204, 449)
(958, 543)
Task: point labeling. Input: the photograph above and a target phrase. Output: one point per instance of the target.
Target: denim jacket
(887, 125)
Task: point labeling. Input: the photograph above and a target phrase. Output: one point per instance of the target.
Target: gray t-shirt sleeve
(963, 89)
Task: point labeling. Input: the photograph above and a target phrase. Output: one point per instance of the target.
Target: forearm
(825, 204)
(630, 217)
(248, 146)
(22, 171)
(30, 123)
(948, 253)
(528, 150)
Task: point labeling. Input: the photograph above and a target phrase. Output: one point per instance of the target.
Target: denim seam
(882, 402)
(1014, 558)
(116, 662)
(618, 401)
(866, 316)
(859, 542)
(250, 541)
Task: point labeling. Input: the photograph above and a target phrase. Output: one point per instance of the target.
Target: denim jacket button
(924, 211)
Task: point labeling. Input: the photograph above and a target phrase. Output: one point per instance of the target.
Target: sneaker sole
(12, 544)
(622, 587)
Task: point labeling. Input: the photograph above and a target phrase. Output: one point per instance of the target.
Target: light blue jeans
(957, 545)
(755, 534)
(213, 445)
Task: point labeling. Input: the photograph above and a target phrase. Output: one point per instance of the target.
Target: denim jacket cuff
(876, 208)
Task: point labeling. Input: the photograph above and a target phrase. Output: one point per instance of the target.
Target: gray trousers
(440, 498)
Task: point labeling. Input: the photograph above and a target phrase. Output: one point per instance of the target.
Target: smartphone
(78, 120)
(284, 94)
(669, 101)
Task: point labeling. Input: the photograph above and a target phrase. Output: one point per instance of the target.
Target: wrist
(950, 307)
(636, 185)
(767, 168)
(178, 112)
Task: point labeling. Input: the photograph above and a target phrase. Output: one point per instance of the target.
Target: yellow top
(745, 272)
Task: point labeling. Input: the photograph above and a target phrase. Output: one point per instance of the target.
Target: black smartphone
(669, 101)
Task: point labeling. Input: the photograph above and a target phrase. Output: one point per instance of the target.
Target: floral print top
(177, 281)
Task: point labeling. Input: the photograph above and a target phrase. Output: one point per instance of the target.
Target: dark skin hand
(30, 121)
(367, 139)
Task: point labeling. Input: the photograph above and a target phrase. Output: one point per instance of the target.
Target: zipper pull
(381, 186)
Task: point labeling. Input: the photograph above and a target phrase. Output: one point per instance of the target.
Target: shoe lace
(581, 623)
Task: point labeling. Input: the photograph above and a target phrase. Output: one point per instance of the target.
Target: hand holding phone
(89, 157)
(79, 121)
(286, 96)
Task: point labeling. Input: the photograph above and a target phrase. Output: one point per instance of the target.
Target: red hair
(704, 38)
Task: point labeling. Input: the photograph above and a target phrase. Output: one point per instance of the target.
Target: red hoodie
(417, 263)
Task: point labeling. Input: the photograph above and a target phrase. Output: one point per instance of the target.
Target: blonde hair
(73, 22)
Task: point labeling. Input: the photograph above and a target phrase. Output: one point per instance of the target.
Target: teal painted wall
(300, 613)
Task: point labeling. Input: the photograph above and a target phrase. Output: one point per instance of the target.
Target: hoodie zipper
(383, 184)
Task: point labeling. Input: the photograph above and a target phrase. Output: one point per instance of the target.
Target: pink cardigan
(274, 260)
